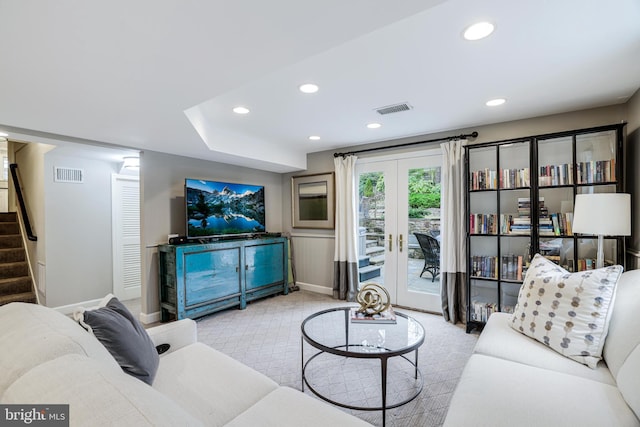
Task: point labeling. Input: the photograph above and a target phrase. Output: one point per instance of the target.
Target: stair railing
(23, 207)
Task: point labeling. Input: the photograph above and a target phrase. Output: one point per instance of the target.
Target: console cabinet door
(211, 274)
(264, 264)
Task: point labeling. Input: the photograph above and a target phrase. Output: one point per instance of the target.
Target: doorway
(127, 275)
(398, 197)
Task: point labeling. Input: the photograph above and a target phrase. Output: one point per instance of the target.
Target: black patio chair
(431, 250)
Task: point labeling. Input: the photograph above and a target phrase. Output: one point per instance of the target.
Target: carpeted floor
(266, 336)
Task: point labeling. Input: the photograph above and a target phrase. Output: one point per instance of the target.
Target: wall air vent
(396, 108)
(72, 175)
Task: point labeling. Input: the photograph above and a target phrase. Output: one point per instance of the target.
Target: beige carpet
(266, 336)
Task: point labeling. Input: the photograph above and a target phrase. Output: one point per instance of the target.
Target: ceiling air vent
(397, 108)
(73, 175)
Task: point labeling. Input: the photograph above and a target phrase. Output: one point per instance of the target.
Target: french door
(399, 197)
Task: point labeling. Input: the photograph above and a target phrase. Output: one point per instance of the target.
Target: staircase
(369, 264)
(15, 281)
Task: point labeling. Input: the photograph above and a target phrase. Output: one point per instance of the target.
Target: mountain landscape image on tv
(222, 208)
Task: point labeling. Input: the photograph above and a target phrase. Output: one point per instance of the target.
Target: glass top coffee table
(332, 331)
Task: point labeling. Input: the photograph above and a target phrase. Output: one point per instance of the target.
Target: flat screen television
(217, 208)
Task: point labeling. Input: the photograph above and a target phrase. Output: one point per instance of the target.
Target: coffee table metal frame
(343, 350)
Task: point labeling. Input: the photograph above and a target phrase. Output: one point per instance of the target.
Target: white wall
(78, 230)
(163, 211)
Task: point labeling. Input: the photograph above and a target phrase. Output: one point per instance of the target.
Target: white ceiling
(164, 75)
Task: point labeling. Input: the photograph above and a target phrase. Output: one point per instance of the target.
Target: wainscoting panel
(313, 259)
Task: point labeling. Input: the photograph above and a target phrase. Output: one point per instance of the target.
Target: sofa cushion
(33, 334)
(301, 410)
(623, 336)
(498, 339)
(96, 394)
(123, 336)
(569, 312)
(209, 384)
(628, 380)
(496, 392)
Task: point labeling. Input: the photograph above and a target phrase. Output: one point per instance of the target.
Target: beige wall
(318, 275)
(633, 167)
(30, 157)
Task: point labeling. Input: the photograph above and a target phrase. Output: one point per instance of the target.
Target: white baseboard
(147, 319)
(315, 288)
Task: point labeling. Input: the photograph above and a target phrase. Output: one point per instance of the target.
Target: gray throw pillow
(124, 336)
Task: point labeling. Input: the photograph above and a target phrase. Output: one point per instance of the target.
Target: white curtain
(345, 261)
(453, 253)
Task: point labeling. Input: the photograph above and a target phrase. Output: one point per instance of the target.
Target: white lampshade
(602, 214)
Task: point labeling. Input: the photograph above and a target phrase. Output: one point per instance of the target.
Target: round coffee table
(332, 331)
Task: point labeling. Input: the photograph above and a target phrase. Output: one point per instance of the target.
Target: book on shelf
(514, 178)
(556, 224)
(483, 266)
(387, 316)
(596, 171)
(483, 223)
(511, 267)
(485, 179)
(480, 310)
(551, 175)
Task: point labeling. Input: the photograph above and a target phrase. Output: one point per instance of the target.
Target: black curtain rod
(448, 138)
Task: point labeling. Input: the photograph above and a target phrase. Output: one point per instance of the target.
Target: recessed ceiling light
(374, 125)
(241, 110)
(495, 102)
(308, 88)
(478, 31)
(314, 138)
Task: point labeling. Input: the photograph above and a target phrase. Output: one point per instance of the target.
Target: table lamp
(602, 214)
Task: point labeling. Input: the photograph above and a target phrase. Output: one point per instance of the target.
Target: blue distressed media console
(200, 279)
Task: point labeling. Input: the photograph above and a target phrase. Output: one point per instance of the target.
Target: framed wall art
(313, 201)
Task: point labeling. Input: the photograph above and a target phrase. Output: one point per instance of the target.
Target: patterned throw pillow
(569, 312)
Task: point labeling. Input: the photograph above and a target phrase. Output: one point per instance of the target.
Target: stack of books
(387, 316)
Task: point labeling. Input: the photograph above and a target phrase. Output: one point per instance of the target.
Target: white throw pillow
(569, 312)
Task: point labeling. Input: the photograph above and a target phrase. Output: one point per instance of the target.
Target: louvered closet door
(126, 236)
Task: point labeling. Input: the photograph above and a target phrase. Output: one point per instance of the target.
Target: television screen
(222, 208)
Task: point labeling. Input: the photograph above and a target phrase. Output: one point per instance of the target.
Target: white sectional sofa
(47, 358)
(513, 380)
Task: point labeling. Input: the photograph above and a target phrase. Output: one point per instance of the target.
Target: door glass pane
(423, 261)
(371, 227)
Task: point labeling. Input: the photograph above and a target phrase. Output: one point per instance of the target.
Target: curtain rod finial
(474, 134)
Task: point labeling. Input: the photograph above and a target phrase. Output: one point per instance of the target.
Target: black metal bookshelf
(557, 166)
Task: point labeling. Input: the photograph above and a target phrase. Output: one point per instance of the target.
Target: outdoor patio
(416, 283)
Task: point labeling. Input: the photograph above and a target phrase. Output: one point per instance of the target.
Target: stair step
(14, 269)
(12, 255)
(8, 217)
(374, 250)
(363, 261)
(23, 297)
(368, 272)
(8, 228)
(15, 285)
(377, 260)
(10, 241)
